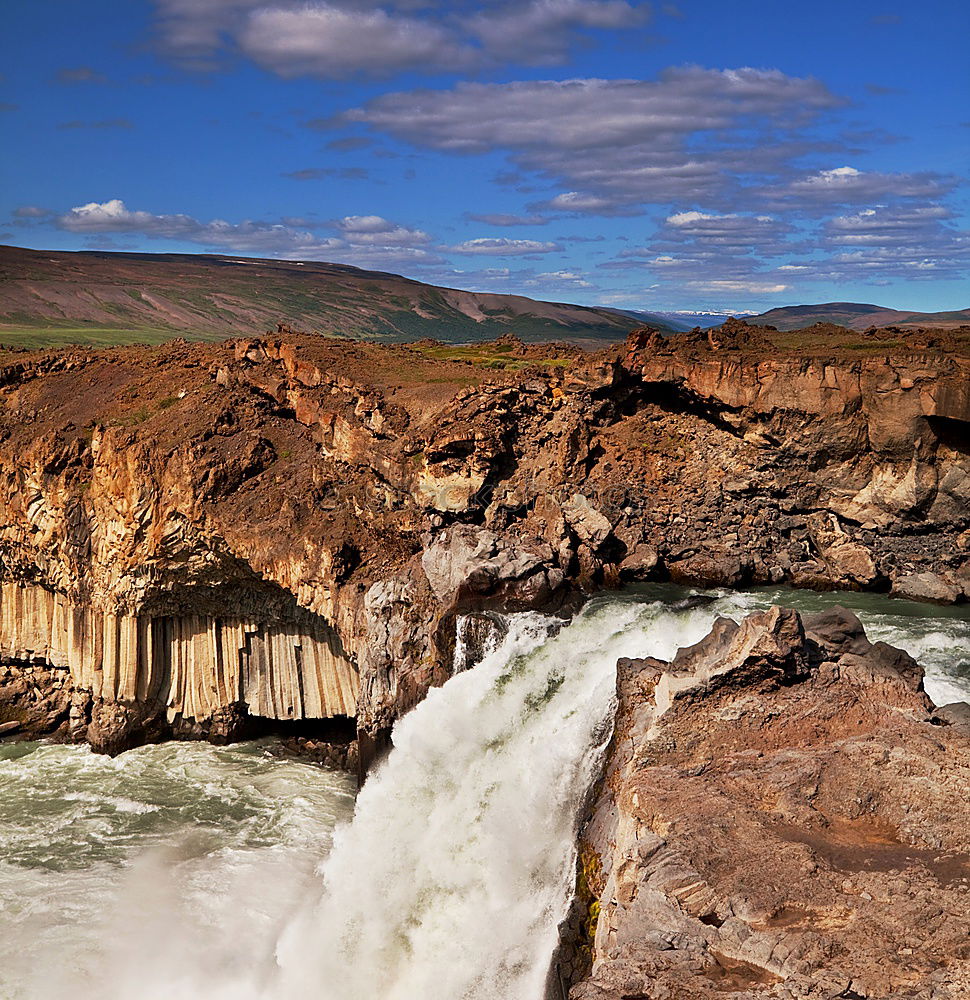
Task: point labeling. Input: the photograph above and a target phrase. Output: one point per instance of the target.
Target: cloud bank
(346, 38)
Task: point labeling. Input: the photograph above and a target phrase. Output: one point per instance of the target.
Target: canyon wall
(286, 528)
(188, 670)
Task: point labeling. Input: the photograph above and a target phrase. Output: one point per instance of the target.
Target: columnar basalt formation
(186, 671)
(287, 527)
(783, 815)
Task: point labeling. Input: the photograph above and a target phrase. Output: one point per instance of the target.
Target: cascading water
(451, 883)
(184, 871)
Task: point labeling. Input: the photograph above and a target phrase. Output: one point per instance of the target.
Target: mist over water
(186, 871)
(167, 871)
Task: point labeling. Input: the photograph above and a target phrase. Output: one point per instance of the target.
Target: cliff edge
(783, 815)
(196, 538)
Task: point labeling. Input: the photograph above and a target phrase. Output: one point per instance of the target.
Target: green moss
(43, 338)
(589, 885)
(489, 356)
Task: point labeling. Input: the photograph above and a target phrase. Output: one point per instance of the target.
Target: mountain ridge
(857, 316)
(47, 297)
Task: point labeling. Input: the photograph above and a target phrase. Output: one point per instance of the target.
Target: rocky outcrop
(289, 527)
(782, 815)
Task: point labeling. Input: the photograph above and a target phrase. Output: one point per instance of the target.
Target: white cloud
(343, 38)
(375, 230)
(325, 40)
(541, 31)
(612, 144)
(889, 226)
(31, 212)
(501, 219)
(915, 241)
(501, 246)
(560, 279)
(688, 218)
(369, 241)
(113, 216)
(746, 286)
(589, 113)
(576, 201)
(734, 233)
(365, 224)
(847, 185)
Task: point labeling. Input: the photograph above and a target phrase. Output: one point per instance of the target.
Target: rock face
(190, 670)
(289, 528)
(782, 816)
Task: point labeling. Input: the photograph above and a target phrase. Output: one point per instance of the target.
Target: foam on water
(148, 874)
(185, 871)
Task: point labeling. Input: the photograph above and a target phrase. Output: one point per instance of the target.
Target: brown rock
(926, 587)
(182, 523)
(847, 561)
(788, 823)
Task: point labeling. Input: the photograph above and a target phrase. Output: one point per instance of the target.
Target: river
(186, 871)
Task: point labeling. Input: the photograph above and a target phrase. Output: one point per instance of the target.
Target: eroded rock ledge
(783, 815)
(288, 526)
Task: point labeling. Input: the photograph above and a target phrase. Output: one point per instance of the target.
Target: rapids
(185, 871)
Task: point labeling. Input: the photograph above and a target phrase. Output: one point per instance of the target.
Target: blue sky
(657, 156)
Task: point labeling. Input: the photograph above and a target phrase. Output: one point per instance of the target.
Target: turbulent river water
(186, 871)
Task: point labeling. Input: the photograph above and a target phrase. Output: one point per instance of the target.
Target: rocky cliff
(783, 815)
(197, 537)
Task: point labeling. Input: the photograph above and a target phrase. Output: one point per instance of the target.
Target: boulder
(926, 587)
(956, 714)
(638, 563)
(590, 526)
(470, 567)
(846, 560)
(717, 568)
(837, 630)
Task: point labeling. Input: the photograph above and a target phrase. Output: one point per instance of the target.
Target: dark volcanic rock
(35, 700)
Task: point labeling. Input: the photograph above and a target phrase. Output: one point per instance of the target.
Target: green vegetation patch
(42, 338)
(488, 356)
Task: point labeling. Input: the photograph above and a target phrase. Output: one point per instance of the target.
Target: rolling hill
(856, 316)
(51, 297)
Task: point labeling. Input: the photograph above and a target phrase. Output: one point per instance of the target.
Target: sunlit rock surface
(783, 815)
(288, 527)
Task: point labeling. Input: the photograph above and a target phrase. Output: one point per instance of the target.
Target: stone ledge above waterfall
(781, 814)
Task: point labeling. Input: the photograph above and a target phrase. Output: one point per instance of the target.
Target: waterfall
(452, 879)
(183, 871)
(449, 883)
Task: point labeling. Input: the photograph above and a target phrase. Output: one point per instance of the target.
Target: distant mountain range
(856, 316)
(50, 297)
(686, 319)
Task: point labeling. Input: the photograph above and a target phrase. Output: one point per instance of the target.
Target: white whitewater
(459, 865)
(452, 879)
